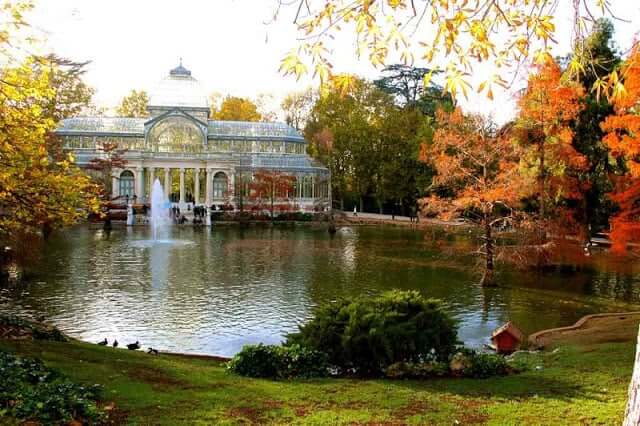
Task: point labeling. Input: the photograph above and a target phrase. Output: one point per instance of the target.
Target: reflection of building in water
(198, 160)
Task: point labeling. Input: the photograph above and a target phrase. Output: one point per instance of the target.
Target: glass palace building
(197, 160)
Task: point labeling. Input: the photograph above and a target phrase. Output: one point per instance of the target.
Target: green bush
(366, 335)
(257, 361)
(485, 365)
(31, 391)
(277, 362)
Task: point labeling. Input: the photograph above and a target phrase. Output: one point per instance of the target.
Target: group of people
(177, 217)
(199, 215)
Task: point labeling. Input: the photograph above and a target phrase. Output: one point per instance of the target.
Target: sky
(229, 45)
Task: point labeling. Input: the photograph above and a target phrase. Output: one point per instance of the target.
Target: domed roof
(179, 89)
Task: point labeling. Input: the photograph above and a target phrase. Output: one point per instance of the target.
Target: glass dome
(179, 89)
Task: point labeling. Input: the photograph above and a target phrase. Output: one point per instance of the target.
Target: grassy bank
(577, 384)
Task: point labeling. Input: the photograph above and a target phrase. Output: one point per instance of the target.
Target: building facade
(197, 160)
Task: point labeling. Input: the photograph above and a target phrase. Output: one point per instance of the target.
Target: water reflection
(228, 287)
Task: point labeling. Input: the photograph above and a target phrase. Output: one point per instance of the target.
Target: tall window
(176, 134)
(126, 184)
(220, 185)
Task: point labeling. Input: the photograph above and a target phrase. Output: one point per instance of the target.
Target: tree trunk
(632, 414)
(488, 279)
(361, 204)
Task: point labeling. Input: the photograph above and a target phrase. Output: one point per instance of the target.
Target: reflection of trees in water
(243, 281)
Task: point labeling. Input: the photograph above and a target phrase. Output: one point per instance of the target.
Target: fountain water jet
(159, 216)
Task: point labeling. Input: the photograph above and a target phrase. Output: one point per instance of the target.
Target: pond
(217, 290)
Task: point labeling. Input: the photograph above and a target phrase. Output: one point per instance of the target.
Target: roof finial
(180, 70)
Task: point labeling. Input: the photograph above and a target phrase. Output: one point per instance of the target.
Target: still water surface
(217, 290)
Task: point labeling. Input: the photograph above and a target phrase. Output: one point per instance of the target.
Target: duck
(152, 351)
(133, 346)
(115, 343)
(103, 342)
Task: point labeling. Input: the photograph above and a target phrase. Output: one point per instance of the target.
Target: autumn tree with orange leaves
(479, 166)
(623, 140)
(269, 186)
(546, 109)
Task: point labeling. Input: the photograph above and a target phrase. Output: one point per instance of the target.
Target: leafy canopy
(458, 33)
(134, 104)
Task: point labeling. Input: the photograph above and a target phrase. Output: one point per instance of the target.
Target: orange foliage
(623, 139)
(268, 187)
(547, 107)
(472, 158)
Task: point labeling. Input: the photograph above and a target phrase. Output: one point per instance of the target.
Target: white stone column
(167, 181)
(152, 178)
(181, 185)
(208, 188)
(196, 186)
(115, 190)
(140, 183)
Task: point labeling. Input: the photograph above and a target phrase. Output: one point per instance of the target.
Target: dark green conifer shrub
(365, 335)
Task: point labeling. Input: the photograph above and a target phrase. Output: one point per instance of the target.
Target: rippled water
(217, 290)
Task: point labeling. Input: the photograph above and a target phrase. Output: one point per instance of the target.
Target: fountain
(159, 216)
(160, 222)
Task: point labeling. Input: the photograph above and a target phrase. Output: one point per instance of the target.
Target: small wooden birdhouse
(507, 338)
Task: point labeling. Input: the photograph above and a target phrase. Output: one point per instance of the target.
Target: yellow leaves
(542, 26)
(488, 85)
(293, 65)
(456, 81)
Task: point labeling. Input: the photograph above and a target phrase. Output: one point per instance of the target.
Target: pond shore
(183, 389)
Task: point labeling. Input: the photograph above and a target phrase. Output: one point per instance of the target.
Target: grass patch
(571, 386)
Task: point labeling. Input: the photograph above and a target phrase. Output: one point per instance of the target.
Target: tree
(237, 109)
(110, 159)
(297, 108)
(269, 186)
(344, 130)
(623, 139)
(459, 33)
(546, 108)
(39, 192)
(480, 166)
(407, 85)
(134, 104)
(597, 58)
(264, 103)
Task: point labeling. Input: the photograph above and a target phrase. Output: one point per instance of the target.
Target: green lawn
(576, 385)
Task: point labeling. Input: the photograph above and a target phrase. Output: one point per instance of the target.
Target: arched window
(176, 134)
(220, 185)
(126, 184)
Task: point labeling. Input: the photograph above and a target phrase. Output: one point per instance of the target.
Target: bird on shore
(133, 346)
(103, 342)
(115, 343)
(152, 351)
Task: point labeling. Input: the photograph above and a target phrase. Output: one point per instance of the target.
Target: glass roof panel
(248, 129)
(102, 125)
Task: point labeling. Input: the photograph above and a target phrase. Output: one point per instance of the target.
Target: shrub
(485, 365)
(31, 391)
(257, 361)
(271, 361)
(366, 335)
